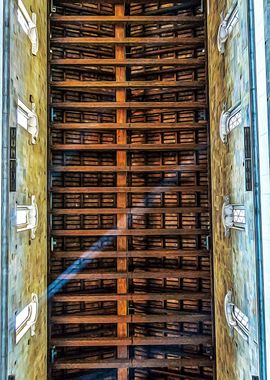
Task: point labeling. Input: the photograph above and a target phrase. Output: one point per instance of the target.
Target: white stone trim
(226, 119)
(228, 216)
(226, 27)
(26, 319)
(27, 217)
(28, 120)
(233, 323)
(29, 25)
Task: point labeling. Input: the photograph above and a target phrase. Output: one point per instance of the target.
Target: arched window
(26, 319)
(229, 120)
(233, 216)
(29, 25)
(226, 27)
(27, 217)
(236, 319)
(28, 119)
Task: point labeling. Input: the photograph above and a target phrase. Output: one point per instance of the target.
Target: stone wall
(28, 258)
(234, 256)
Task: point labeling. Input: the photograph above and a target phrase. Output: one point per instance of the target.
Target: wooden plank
(185, 62)
(108, 319)
(132, 297)
(163, 273)
(129, 189)
(130, 211)
(133, 169)
(81, 106)
(168, 253)
(134, 232)
(79, 19)
(129, 147)
(79, 84)
(179, 41)
(122, 200)
(131, 126)
(182, 4)
(132, 341)
(132, 363)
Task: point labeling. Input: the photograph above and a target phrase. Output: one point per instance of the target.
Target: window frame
(233, 321)
(29, 25)
(29, 320)
(28, 120)
(31, 217)
(225, 127)
(226, 27)
(229, 218)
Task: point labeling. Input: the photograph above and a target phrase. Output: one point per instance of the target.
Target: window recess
(236, 319)
(229, 120)
(28, 120)
(226, 27)
(27, 217)
(233, 216)
(29, 25)
(26, 319)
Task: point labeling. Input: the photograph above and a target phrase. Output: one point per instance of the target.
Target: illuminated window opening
(226, 27)
(27, 217)
(29, 25)
(233, 216)
(28, 120)
(229, 120)
(236, 319)
(26, 319)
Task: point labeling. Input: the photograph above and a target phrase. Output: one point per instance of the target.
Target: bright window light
(28, 120)
(27, 217)
(29, 25)
(226, 27)
(233, 216)
(236, 319)
(26, 319)
(229, 120)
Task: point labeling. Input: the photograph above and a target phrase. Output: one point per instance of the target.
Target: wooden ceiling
(130, 293)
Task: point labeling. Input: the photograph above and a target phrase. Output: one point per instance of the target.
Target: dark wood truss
(130, 293)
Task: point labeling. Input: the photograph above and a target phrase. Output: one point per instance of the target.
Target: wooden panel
(184, 41)
(191, 62)
(129, 208)
(127, 19)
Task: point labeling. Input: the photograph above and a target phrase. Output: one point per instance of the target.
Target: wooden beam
(122, 200)
(79, 84)
(132, 297)
(180, 41)
(185, 62)
(168, 253)
(80, 19)
(132, 341)
(80, 106)
(130, 147)
(129, 189)
(132, 169)
(131, 232)
(129, 211)
(108, 319)
(184, 4)
(130, 126)
(133, 363)
(107, 275)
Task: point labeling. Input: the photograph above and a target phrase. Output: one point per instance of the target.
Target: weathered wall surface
(234, 256)
(28, 258)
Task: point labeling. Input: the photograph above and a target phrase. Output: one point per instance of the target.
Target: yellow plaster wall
(28, 258)
(234, 256)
